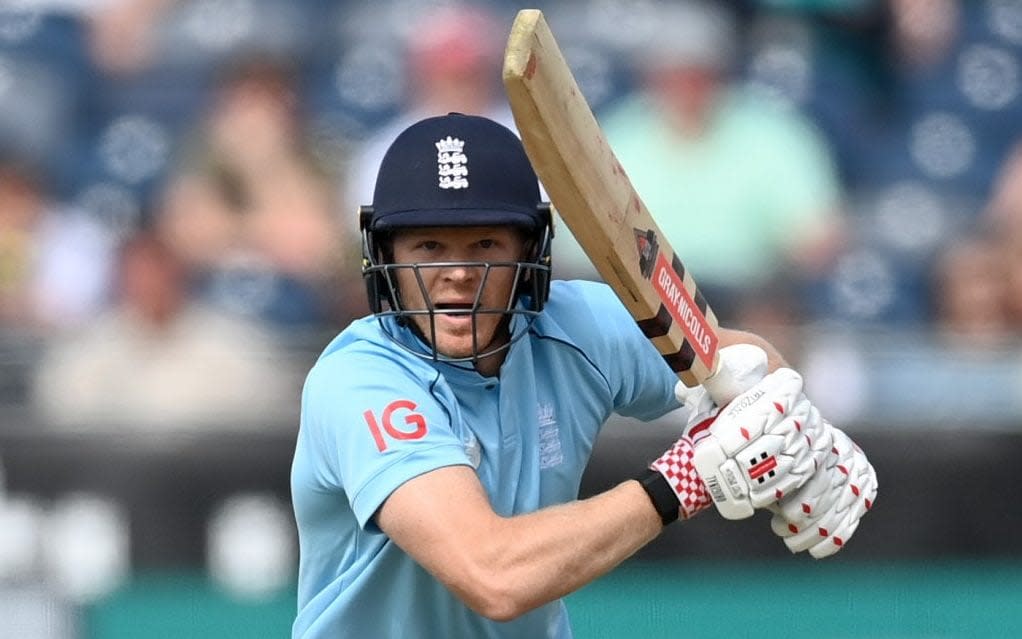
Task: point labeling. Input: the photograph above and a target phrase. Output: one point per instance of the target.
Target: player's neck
(489, 366)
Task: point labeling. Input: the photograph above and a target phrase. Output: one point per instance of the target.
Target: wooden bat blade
(596, 200)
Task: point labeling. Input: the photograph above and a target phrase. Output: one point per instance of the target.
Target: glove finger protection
(829, 533)
(821, 492)
(843, 531)
(856, 499)
(821, 438)
(825, 513)
(799, 509)
(821, 495)
(795, 427)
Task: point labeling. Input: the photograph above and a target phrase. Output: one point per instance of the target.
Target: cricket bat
(595, 199)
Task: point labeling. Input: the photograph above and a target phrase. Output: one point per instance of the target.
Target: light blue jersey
(375, 416)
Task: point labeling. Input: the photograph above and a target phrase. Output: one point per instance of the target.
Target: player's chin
(456, 346)
(459, 343)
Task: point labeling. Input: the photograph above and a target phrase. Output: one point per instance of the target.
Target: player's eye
(429, 245)
(487, 243)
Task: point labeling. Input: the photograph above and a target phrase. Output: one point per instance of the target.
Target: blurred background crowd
(178, 239)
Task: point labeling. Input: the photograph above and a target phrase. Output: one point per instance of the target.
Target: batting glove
(748, 455)
(822, 515)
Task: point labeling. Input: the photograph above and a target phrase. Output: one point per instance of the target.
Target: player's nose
(460, 272)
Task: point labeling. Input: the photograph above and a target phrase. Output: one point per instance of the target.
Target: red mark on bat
(619, 215)
(530, 66)
(635, 205)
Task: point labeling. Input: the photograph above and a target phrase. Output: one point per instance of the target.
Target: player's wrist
(676, 469)
(664, 501)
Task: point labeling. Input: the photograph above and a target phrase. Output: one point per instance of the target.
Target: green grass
(692, 600)
(794, 599)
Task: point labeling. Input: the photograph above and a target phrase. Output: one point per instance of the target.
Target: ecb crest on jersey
(550, 453)
(452, 163)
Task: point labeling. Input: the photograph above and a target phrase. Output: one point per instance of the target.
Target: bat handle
(737, 370)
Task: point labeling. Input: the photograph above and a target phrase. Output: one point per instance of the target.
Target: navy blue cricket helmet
(455, 170)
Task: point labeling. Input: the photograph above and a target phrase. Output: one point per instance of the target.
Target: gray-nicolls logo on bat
(648, 247)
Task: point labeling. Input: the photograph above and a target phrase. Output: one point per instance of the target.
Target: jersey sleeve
(641, 383)
(371, 424)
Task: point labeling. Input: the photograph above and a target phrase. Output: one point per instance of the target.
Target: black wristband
(661, 494)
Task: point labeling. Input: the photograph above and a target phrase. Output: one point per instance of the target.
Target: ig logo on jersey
(402, 408)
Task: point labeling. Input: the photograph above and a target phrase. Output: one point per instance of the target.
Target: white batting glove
(754, 452)
(822, 515)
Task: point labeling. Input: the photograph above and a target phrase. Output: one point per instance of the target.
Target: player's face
(453, 289)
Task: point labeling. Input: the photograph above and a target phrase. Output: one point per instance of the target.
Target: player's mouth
(453, 308)
(455, 316)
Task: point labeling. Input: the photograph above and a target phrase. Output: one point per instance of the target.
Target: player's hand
(751, 453)
(758, 448)
(824, 513)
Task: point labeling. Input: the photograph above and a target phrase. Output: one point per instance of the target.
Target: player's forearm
(502, 567)
(557, 550)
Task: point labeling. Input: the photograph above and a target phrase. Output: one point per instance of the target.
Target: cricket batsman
(443, 438)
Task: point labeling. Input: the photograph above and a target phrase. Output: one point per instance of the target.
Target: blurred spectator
(971, 292)
(55, 263)
(1005, 208)
(745, 190)
(202, 216)
(1004, 214)
(254, 208)
(158, 359)
(121, 34)
(923, 30)
(453, 64)
(977, 276)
